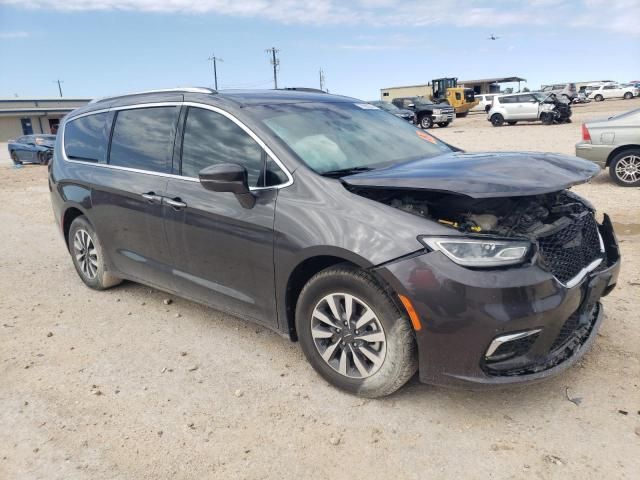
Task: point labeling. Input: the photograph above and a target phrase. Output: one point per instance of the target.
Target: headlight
(478, 252)
(437, 112)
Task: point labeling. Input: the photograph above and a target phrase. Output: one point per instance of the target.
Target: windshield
(388, 107)
(338, 136)
(422, 101)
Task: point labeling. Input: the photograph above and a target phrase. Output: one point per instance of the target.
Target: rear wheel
(625, 168)
(628, 96)
(353, 334)
(87, 254)
(487, 108)
(443, 124)
(598, 98)
(497, 120)
(426, 121)
(15, 159)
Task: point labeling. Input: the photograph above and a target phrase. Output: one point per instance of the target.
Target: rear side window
(85, 138)
(211, 138)
(513, 99)
(143, 138)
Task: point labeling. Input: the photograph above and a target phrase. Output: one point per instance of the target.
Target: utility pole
(214, 60)
(321, 79)
(276, 63)
(59, 86)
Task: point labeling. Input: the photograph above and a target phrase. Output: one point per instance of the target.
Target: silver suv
(566, 90)
(517, 107)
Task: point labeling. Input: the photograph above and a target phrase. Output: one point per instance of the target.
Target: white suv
(485, 102)
(613, 91)
(520, 107)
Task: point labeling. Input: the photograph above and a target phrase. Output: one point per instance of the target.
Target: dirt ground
(119, 385)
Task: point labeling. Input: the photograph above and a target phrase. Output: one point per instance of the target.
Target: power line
(213, 59)
(275, 61)
(59, 86)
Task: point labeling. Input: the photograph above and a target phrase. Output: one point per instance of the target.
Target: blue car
(32, 149)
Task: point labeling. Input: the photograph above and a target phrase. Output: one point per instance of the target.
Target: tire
(47, 157)
(462, 114)
(627, 96)
(598, 98)
(625, 168)
(546, 118)
(426, 121)
(497, 120)
(88, 261)
(487, 108)
(41, 158)
(15, 159)
(512, 122)
(443, 124)
(391, 359)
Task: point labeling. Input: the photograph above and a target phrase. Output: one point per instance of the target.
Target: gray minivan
(379, 248)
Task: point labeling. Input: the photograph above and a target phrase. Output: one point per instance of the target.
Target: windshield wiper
(343, 172)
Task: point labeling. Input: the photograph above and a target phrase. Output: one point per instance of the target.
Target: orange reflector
(413, 316)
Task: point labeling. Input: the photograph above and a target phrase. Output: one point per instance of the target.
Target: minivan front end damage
(513, 294)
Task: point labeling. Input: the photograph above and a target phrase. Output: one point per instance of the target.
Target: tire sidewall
(15, 159)
(497, 120)
(394, 324)
(426, 121)
(614, 163)
(102, 280)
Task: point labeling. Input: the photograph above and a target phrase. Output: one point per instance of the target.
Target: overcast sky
(101, 47)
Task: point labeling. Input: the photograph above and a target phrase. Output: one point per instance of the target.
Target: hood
(482, 175)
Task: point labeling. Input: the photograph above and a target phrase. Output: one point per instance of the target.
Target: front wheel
(353, 334)
(15, 159)
(87, 254)
(497, 120)
(598, 98)
(625, 168)
(628, 96)
(426, 121)
(443, 124)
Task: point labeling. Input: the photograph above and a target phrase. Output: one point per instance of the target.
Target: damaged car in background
(381, 249)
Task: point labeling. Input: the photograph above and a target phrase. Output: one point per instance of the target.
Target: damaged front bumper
(467, 315)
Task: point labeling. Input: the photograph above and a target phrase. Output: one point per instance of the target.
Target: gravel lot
(119, 385)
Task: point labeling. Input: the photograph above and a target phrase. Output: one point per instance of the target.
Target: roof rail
(163, 90)
(303, 89)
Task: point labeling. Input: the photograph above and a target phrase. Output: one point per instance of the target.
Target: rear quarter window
(85, 138)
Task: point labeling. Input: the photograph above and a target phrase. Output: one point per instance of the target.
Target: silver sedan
(614, 143)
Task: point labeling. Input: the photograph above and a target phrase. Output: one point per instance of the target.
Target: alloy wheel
(348, 335)
(628, 169)
(85, 253)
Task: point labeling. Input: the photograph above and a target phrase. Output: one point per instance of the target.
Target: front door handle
(151, 197)
(175, 203)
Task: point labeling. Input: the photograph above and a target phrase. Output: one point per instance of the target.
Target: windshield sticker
(426, 136)
(366, 106)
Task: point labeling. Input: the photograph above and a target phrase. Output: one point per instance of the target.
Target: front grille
(569, 250)
(568, 329)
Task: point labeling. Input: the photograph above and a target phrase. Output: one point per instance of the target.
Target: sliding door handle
(175, 203)
(151, 197)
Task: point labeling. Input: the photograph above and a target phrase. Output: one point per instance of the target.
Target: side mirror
(228, 177)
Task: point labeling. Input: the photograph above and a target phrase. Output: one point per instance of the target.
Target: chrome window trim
(162, 90)
(218, 110)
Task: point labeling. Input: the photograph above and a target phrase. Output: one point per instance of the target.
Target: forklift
(446, 90)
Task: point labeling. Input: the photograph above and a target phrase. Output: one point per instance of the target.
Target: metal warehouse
(24, 116)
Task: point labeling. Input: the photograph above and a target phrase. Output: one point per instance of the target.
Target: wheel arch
(69, 215)
(620, 149)
(305, 269)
